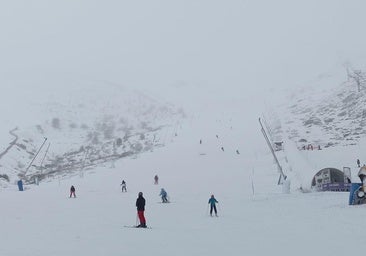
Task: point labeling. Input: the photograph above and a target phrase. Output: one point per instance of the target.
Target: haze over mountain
(241, 45)
(205, 56)
(128, 90)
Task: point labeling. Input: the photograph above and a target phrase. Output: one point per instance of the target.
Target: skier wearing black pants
(123, 184)
(212, 201)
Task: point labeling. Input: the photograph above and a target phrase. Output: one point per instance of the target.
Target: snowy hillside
(254, 216)
(326, 118)
(218, 150)
(81, 125)
(322, 127)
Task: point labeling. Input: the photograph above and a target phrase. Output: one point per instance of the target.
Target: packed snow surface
(255, 217)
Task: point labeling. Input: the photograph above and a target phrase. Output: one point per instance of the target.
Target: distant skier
(222, 148)
(156, 180)
(200, 141)
(358, 163)
(72, 191)
(217, 136)
(164, 196)
(140, 204)
(237, 151)
(124, 187)
(212, 201)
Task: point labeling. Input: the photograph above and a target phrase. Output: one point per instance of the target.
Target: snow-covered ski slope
(43, 221)
(64, 69)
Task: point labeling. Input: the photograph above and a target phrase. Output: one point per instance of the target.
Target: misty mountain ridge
(323, 117)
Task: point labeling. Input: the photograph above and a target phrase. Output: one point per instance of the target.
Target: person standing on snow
(140, 204)
(124, 188)
(164, 196)
(212, 201)
(72, 191)
(156, 180)
(358, 163)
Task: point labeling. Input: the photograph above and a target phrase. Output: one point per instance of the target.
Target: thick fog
(196, 48)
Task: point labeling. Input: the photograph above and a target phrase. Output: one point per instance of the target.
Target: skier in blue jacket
(212, 201)
(164, 196)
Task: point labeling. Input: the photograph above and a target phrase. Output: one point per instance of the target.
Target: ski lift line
(49, 144)
(252, 178)
(272, 151)
(26, 170)
(268, 128)
(85, 157)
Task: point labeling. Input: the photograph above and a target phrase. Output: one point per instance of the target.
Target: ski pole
(218, 206)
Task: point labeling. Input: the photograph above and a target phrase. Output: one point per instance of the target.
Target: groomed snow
(44, 221)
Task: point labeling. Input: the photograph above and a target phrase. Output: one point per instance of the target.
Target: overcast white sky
(230, 47)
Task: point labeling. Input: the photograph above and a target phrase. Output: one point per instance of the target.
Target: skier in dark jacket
(212, 201)
(140, 204)
(123, 184)
(72, 191)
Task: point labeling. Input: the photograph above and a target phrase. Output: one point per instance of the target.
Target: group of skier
(140, 204)
(140, 201)
(222, 148)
